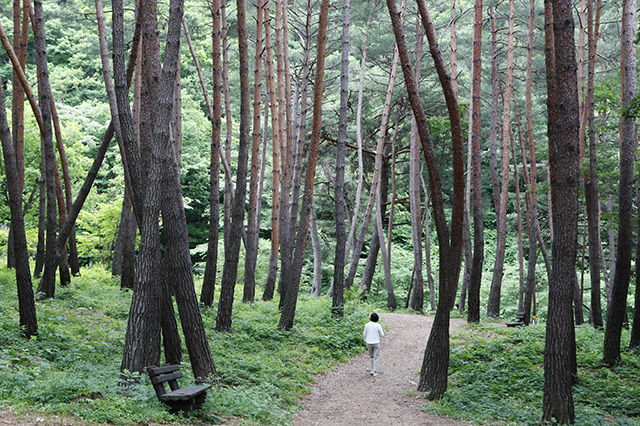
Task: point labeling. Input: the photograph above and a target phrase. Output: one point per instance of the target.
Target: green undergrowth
(497, 377)
(72, 366)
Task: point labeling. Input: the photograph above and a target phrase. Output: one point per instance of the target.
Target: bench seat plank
(184, 394)
(179, 399)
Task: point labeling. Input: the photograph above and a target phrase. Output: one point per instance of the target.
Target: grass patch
(72, 366)
(496, 374)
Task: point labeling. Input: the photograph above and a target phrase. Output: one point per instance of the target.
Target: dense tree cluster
(241, 125)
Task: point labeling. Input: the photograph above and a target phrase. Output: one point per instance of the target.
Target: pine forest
(234, 187)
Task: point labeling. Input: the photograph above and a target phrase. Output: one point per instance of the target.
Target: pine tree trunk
(618, 302)
(228, 184)
(337, 307)
(427, 246)
(67, 199)
(417, 295)
(380, 213)
(142, 341)
(63, 260)
(211, 267)
(253, 221)
(316, 287)
(26, 303)
(384, 124)
(356, 209)
(47, 283)
(42, 222)
(293, 274)
(612, 247)
(591, 190)
(495, 93)
(516, 179)
(125, 245)
(532, 211)
(391, 298)
(270, 284)
(562, 95)
(288, 202)
(232, 250)
(634, 340)
(473, 312)
(493, 306)
(433, 376)
(370, 265)
(128, 247)
(20, 39)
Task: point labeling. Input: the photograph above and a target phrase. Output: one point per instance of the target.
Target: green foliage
(72, 366)
(271, 369)
(496, 374)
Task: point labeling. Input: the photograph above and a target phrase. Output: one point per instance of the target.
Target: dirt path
(349, 395)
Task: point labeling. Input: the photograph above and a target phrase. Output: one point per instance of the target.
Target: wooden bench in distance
(179, 399)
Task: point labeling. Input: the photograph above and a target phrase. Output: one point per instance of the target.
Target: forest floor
(349, 395)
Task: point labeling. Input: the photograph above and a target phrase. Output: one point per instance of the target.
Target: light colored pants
(374, 355)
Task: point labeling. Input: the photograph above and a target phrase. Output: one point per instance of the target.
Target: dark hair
(374, 317)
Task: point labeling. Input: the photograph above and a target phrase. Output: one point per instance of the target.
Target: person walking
(372, 335)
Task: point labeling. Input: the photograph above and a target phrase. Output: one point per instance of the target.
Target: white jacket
(372, 333)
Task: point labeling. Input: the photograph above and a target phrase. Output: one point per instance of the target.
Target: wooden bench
(179, 399)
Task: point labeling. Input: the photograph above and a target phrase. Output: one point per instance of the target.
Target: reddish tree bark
(232, 249)
(293, 274)
(473, 313)
(211, 267)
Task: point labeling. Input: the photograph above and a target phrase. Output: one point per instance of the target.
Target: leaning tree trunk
(435, 365)
(20, 39)
(370, 265)
(293, 274)
(67, 200)
(355, 256)
(356, 209)
(142, 340)
(177, 256)
(26, 303)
